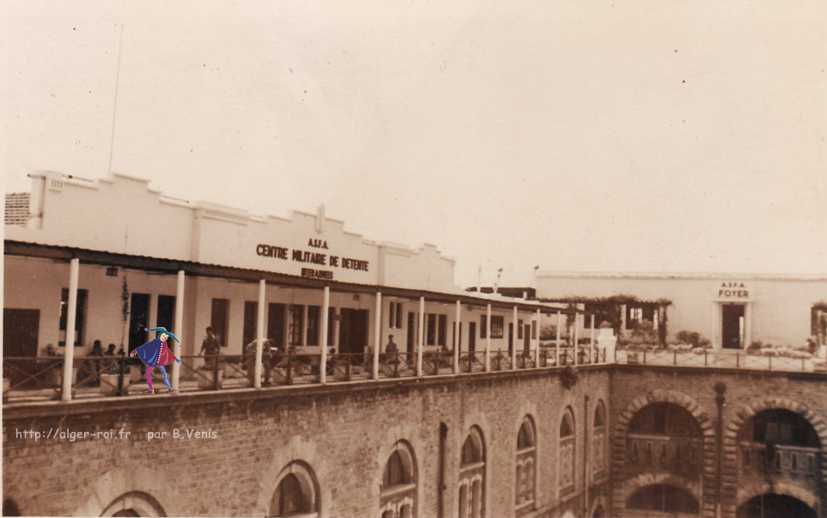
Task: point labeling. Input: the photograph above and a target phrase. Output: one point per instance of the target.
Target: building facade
(133, 241)
(732, 311)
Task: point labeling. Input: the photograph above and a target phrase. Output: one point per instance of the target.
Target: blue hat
(159, 330)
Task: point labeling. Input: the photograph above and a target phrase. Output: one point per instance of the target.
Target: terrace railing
(727, 359)
(37, 378)
(794, 463)
(660, 453)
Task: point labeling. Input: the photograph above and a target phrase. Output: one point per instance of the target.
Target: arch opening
(664, 437)
(773, 505)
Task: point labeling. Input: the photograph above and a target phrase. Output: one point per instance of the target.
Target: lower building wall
(345, 435)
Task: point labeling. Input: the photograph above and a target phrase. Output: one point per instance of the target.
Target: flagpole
(115, 104)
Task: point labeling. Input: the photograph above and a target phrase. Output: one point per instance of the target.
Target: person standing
(210, 349)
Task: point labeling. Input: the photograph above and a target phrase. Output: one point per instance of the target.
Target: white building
(730, 310)
(146, 259)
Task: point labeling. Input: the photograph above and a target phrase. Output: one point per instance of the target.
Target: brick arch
(629, 487)
(137, 486)
(680, 399)
(620, 429)
(774, 403)
(745, 493)
(748, 410)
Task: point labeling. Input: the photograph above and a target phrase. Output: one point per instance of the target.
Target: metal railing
(654, 453)
(796, 463)
(717, 358)
(38, 378)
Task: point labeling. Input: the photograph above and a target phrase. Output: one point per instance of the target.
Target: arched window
(599, 464)
(567, 447)
(472, 476)
(397, 496)
(134, 503)
(297, 492)
(663, 498)
(526, 467)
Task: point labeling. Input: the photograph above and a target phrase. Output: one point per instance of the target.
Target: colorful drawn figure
(156, 353)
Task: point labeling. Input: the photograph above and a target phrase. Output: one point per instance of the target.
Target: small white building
(731, 310)
(145, 257)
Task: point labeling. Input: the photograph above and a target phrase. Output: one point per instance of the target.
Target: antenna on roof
(115, 104)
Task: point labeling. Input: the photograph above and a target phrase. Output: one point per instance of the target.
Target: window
(534, 329)
(80, 315)
(442, 329)
(313, 324)
(599, 464)
(483, 326)
(296, 325)
(472, 476)
(395, 315)
(430, 329)
(519, 329)
(567, 448)
(497, 326)
(526, 467)
(297, 492)
(397, 496)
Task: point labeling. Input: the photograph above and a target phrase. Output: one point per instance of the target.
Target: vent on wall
(17, 208)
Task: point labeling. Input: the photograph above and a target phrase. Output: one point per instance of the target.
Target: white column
(716, 325)
(557, 341)
(457, 331)
(747, 324)
(179, 329)
(260, 331)
(323, 338)
(420, 345)
(488, 338)
(576, 346)
(537, 342)
(514, 335)
(71, 312)
(591, 340)
(377, 334)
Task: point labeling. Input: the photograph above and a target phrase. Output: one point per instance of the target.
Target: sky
(646, 135)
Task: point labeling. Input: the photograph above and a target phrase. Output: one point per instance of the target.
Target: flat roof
(172, 266)
(711, 276)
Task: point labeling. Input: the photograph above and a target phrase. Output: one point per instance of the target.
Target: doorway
(353, 331)
(732, 326)
(165, 316)
(472, 337)
(138, 319)
(20, 327)
(275, 324)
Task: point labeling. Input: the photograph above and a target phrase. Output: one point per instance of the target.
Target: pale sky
(645, 135)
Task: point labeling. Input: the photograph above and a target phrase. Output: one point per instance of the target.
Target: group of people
(97, 361)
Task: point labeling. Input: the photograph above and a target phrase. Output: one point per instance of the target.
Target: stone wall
(344, 433)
